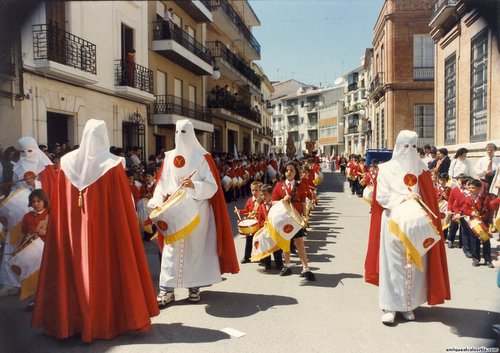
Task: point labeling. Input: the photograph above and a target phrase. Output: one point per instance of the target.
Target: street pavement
(259, 311)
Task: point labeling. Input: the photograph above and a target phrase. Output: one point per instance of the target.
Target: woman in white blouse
(460, 164)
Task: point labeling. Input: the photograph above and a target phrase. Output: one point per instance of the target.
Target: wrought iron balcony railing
(218, 49)
(169, 104)
(377, 82)
(352, 129)
(213, 5)
(133, 75)
(169, 30)
(55, 44)
(423, 73)
(226, 100)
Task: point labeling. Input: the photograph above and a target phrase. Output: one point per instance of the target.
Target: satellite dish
(339, 81)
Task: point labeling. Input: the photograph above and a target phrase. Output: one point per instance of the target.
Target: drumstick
(422, 203)
(237, 212)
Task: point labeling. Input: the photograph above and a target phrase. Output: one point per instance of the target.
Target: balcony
(63, 55)
(291, 110)
(423, 73)
(312, 106)
(223, 13)
(442, 9)
(377, 86)
(173, 43)
(168, 109)
(352, 87)
(352, 129)
(198, 10)
(134, 81)
(231, 65)
(226, 106)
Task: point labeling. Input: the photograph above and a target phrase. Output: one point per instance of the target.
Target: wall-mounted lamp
(216, 73)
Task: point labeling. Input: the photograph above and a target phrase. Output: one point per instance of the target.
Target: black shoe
(267, 267)
(309, 276)
(245, 261)
(489, 264)
(286, 271)
(475, 263)
(450, 245)
(468, 255)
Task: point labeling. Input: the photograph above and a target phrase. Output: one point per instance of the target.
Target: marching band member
(250, 211)
(94, 279)
(207, 251)
(477, 205)
(34, 224)
(403, 287)
(262, 212)
(293, 191)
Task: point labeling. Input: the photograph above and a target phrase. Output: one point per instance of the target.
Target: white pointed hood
(188, 152)
(32, 158)
(92, 160)
(405, 155)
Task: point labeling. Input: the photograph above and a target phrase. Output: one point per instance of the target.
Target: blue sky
(313, 41)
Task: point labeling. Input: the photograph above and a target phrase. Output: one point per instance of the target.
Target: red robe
(94, 279)
(438, 283)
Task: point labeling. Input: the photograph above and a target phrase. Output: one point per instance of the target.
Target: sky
(313, 41)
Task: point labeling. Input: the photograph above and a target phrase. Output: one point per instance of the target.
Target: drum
(227, 182)
(283, 222)
(263, 245)
(443, 213)
(479, 229)
(368, 194)
(411, 224)
(248, 226)
(271, 172)
(14, 207)
(318, 178)
(27, 258)
(177, 217)
(497, 221)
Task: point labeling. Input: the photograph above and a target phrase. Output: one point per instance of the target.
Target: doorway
(57, 128)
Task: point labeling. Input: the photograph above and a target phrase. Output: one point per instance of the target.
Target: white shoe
(165, 298)
(388, 317)
(8, 290)
(408, 315)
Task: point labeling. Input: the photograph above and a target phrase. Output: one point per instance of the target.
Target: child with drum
(293, 191)
(250, 211)
(262, 212)
(33, 226)
(477, 207)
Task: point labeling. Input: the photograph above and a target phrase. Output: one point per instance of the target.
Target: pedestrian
(460, 164)
(402, 286)
(94, 279)
(486, 166)
(203, 253)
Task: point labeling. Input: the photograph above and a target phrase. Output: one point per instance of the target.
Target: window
(450, 109)
(479, 86)
(377, 130)
(423, 58)
(423, 121)
(382, 129)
